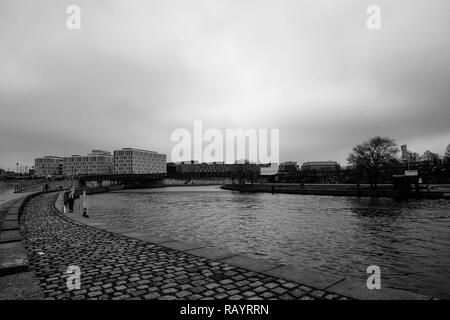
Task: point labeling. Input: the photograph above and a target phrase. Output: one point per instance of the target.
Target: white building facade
(270, 170)
(48, 166)
(97, 162)
(136, 161)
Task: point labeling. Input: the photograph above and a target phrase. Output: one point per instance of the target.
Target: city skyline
(135, 72)
(21, 168)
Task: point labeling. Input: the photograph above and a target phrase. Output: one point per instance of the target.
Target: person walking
(84, 204)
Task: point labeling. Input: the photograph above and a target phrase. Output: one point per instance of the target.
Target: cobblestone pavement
(116, 267)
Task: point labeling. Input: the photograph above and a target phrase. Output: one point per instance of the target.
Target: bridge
(122, 178)
(131, 179)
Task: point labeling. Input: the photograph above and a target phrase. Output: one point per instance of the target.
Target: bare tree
(372, 155)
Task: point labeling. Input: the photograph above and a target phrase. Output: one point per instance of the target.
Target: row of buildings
(136, 161)
(124, 161)
(262, 169)
(214, 168)
(292, 166)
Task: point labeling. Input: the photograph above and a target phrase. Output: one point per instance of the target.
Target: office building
(97, 162)
(289, 166)
(320, 166)
(48, 166)
(136, 161)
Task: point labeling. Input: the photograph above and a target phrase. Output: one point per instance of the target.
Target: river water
(408, 239)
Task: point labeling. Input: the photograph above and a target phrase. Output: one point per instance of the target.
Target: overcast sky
(137, 70)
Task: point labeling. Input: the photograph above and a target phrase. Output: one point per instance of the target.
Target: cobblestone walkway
(116, 267)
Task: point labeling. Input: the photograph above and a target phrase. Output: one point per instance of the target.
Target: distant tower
(404, 152)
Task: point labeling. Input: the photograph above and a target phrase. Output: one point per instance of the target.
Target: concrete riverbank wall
(197, 181)
(167, 182)
(384, 191)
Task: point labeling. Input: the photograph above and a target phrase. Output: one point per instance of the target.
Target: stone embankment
(16, 279)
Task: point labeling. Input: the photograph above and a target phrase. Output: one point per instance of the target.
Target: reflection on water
(409, 240)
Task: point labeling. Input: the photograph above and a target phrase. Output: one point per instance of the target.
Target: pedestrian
(46, 187)
(85, 205)
(71, 198)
